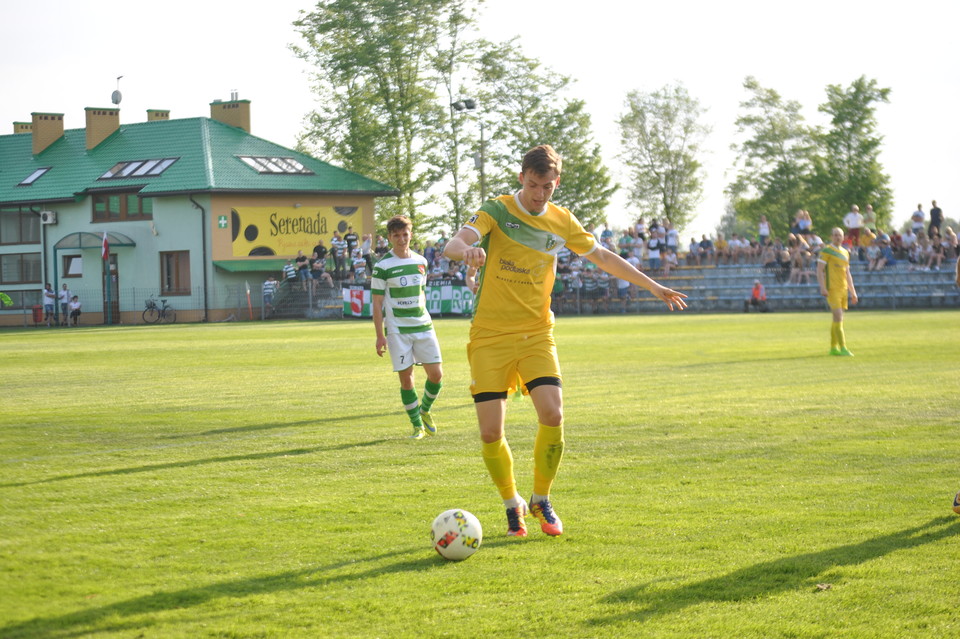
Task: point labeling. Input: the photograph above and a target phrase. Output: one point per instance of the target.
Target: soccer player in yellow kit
(511, 337)
(836, 283)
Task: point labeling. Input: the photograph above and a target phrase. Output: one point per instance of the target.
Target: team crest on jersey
(551, 242)
(422, 269)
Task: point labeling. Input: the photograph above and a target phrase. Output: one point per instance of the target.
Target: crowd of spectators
(654, 246)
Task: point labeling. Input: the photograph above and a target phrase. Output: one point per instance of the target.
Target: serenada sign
(271, 230)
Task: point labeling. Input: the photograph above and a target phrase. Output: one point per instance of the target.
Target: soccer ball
(456, 534)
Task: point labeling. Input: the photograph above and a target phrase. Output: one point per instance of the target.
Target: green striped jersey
(401, 283)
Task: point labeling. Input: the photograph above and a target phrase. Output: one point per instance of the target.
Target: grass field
(724, 477)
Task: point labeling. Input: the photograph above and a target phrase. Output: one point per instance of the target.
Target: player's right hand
(381, 345)
(474, 256)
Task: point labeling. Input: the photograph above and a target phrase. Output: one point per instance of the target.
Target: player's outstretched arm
(460, 248)
(619, 267)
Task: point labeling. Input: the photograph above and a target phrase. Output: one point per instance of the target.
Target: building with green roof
(194, 210)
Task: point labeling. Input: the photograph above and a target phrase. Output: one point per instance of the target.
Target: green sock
(412, 405)
(430, 392)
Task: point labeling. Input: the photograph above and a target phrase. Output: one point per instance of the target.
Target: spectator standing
(338, 248)
(366, 251)
(606, 234)
(758, 298)
(672, 237)
(640, 229)
(268, 290)
(763, 230)
(321, 250)
(916, 220)
(853, 222)
(289, 272)
(836, 283)
(404, 326)
(303, 270)
(49, 300)
(63, 297)
(352, 240)
(936, 219)
(654, 246)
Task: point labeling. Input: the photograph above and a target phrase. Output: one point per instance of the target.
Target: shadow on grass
(771, 577)
(109, 618)
(255, 427)
(197, 462)
(337, 419)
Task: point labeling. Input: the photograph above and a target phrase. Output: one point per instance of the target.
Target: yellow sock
(547, 452)
(841, 338)
(499, 461)
(833, 335)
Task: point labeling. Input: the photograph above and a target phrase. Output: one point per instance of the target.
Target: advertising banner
(444, 297)
(279, 230)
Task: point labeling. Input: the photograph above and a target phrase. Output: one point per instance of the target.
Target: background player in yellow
(836, 283)
(511, 337)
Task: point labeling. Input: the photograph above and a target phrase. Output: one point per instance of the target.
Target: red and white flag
(105, 252)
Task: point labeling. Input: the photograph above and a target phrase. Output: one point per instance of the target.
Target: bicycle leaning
(162, 312)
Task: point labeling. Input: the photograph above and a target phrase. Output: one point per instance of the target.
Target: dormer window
(33, 177)
(275, 165)
(138, 168)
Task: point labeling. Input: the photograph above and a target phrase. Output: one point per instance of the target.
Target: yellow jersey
(520, 269)
(837, 261)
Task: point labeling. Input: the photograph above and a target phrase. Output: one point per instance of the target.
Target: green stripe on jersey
(521, 232)
(415, 329)
(409, 312)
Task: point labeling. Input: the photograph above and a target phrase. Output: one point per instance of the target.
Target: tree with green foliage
(662, 137)
(847, 169)
(454, 63)
(524, 106)
(774, 162)
(378, 113)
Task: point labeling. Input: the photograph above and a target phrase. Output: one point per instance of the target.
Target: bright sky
(64, 55)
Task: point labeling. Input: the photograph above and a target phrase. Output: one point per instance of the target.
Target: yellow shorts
(837, 299)
(502, 361)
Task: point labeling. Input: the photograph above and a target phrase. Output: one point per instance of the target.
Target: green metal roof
(207, 153)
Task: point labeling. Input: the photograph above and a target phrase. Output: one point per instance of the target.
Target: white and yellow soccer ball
(456, 534)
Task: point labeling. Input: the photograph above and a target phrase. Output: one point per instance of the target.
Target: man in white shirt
(853, 222)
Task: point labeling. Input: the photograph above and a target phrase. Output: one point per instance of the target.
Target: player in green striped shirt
(404, 326)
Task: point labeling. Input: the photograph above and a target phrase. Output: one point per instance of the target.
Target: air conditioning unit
(48, 217)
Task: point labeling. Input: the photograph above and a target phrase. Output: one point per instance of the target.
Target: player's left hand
(671, 297)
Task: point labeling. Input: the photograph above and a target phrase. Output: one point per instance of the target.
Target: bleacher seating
(714, 289)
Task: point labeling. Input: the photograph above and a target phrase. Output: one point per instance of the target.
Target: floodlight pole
(470, 105)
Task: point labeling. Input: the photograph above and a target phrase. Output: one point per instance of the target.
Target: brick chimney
(154, 115)
(235, 112)
(22, 127)
(101, 123)
(47, 128)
